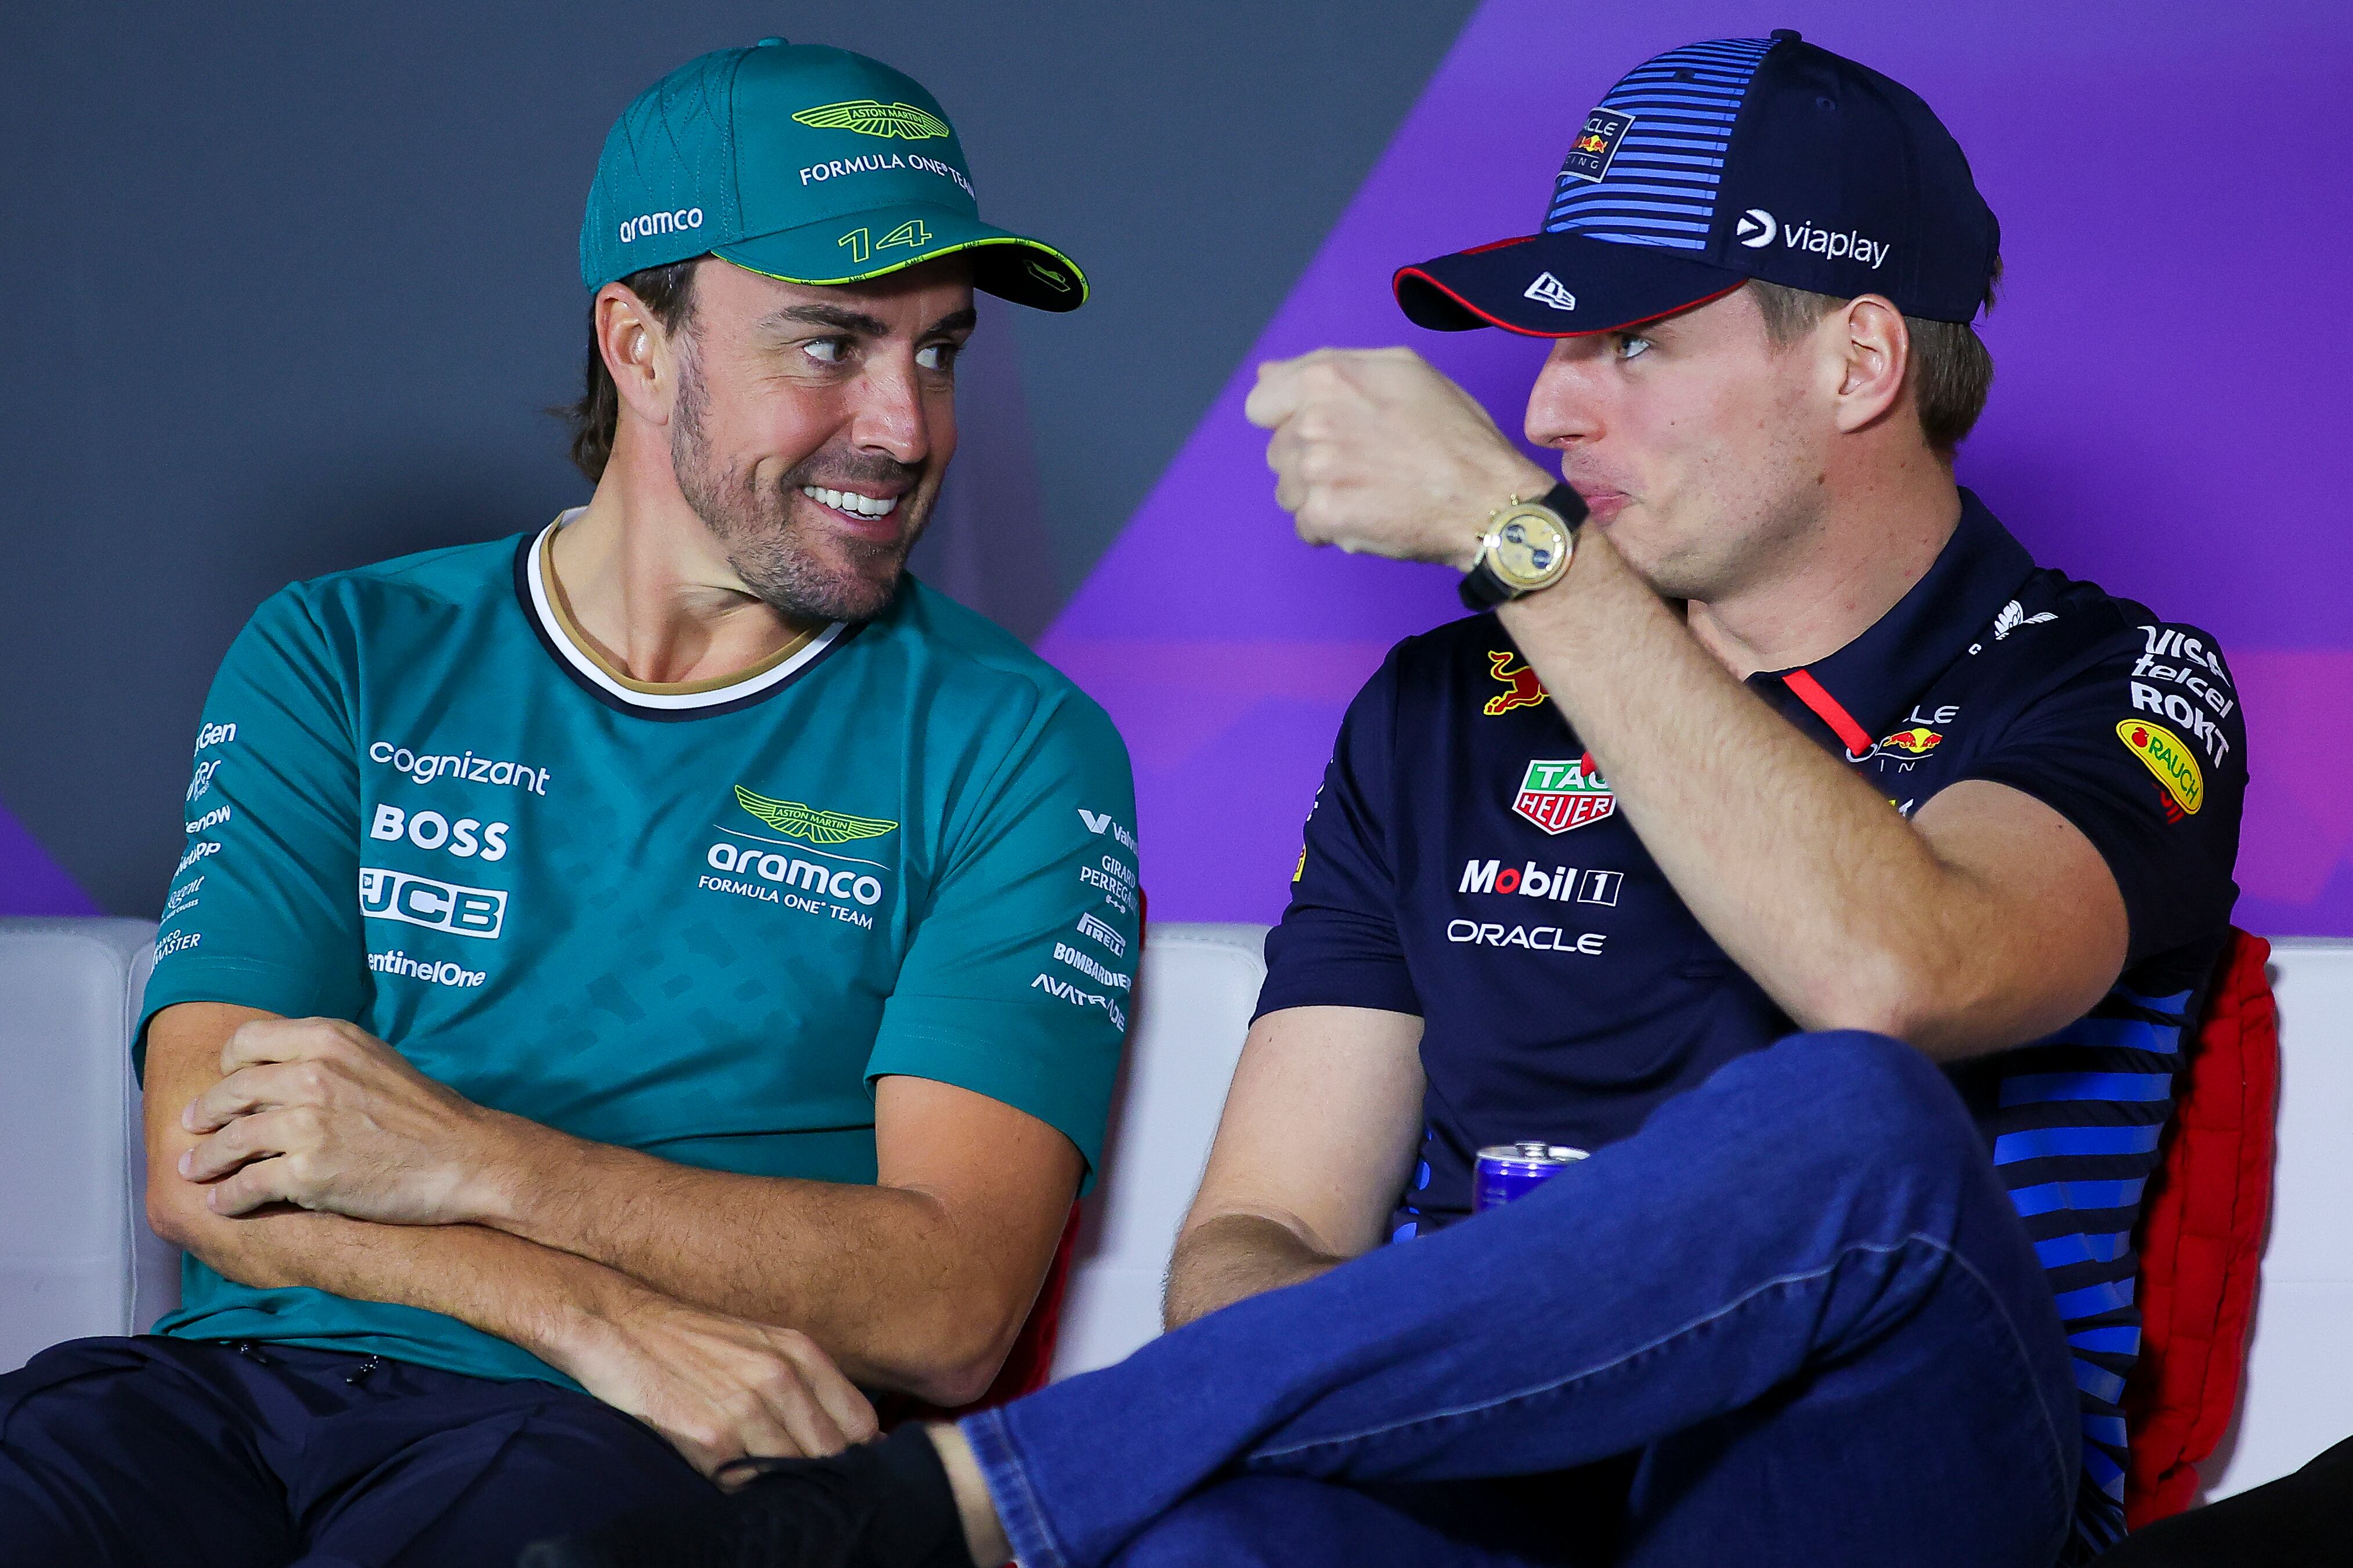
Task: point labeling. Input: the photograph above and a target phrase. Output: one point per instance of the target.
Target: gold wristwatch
(1526, 546)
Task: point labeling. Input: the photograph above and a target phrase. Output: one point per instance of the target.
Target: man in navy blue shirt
(1785, 835)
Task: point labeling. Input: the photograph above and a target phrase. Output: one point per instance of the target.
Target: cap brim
(1556, 286)
(857, 246)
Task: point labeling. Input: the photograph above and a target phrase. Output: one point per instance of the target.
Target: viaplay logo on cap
(871, 116)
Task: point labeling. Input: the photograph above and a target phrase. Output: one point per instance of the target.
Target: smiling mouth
(851, 502)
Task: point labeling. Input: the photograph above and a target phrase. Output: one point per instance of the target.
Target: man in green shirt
(656, 977)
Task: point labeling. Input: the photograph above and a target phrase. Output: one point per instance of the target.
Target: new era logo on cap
(1547, 289)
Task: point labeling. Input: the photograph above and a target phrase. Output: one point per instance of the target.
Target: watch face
(1531, 547)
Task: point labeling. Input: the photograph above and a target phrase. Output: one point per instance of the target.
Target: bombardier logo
(1548, 290)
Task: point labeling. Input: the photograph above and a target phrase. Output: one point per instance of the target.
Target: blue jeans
(1794, 1319)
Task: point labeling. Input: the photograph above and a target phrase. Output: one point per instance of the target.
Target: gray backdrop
(295, 283)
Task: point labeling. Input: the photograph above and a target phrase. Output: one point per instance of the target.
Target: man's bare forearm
(1806, 876)
(1222, 1260)
(545, 1300)
(873, 1274)
(532, 1296)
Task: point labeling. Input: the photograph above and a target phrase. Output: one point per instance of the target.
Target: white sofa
(76, 1256)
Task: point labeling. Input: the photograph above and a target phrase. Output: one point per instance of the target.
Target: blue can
(1510, 1171)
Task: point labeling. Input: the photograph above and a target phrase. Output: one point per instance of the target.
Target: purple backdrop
(2177, 208)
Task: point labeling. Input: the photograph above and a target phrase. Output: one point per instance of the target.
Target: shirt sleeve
(1020, 974)
(1337, 945)
(263, 909)
(2141, 744)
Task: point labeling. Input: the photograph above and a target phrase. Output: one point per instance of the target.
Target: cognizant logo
(660, 223)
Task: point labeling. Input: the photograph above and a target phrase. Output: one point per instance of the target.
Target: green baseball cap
(806, 164)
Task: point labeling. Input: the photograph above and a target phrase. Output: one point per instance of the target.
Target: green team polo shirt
(696, 923)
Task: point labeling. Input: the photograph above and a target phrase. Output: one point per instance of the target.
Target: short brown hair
(668, 293)
(1951, 370)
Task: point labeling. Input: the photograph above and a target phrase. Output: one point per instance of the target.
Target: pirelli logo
(437, 906)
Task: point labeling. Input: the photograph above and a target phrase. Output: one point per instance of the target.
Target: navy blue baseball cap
(1724, 161)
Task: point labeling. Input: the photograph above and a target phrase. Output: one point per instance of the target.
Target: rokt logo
(1755, 228)
(1548, 290)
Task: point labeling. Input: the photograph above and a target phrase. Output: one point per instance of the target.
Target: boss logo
(437, 906)
(465, 837)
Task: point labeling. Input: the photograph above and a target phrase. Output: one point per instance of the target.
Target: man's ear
(1870, 350)
(640, 357)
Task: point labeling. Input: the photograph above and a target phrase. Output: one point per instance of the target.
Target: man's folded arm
(1311, 1154)
(717, 1388)
(921, 1282)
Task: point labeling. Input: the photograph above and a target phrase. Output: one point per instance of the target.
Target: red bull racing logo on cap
(1589, 155)
(1557, 796)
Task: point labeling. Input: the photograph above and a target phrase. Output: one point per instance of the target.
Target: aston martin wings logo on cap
(868, 117)
(808, 824)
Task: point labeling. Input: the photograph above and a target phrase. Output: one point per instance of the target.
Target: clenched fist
(1374, 450)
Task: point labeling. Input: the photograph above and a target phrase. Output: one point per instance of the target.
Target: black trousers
(160, 1453)
(2302, 1521)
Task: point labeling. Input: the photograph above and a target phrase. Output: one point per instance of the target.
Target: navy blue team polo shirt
(1463, 865)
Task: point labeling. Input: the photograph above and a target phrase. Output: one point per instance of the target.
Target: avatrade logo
(1756, 228)
(437, 906)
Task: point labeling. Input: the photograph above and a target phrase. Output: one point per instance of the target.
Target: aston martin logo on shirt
(807, 824)
(871, 117)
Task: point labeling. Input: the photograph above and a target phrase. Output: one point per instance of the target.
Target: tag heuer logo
(1557, 796)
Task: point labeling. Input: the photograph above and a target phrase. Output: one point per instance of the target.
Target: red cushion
(2201, 1238)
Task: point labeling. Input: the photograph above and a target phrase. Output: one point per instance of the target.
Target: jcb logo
(437, 906)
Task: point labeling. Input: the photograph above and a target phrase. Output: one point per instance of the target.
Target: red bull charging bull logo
(1527, 690)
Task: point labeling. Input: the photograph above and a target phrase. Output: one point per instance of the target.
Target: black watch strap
(1481, 589)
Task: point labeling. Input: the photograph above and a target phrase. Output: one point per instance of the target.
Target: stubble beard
(776, 556)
